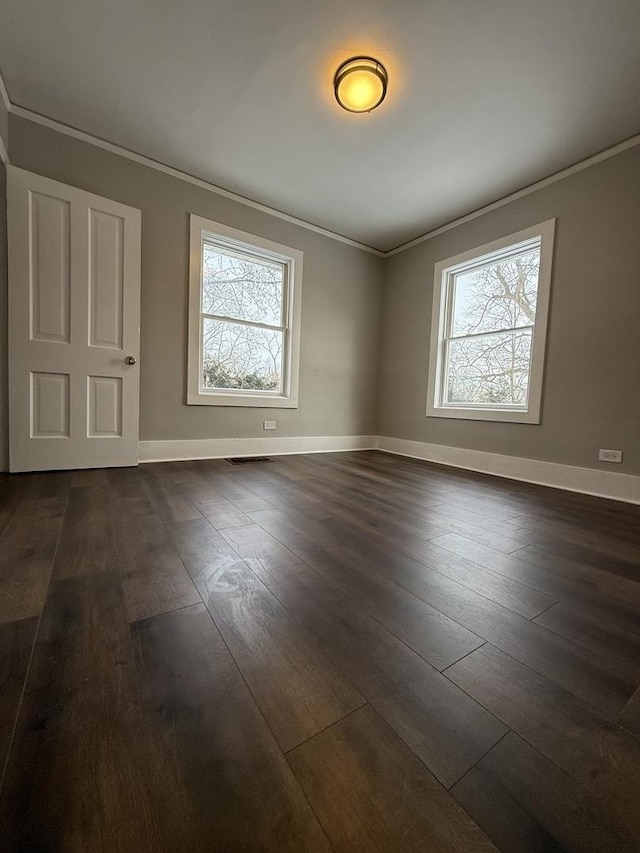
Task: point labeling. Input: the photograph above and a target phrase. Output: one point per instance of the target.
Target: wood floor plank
(434, 636)
(283, 494)
(348, 476)
(169, 503)
(298, 690)
(16, 643)
(490, 506)
(503, 540)
(613, 576)
(13, 491)
(87, 539)
(512, 594)
(593, 677)
(367, 512)
(154, 578)
(614, 600)
(354, 473)
(51, 484)
(554, 575)
(221, 516)
(27, 551)
(240, 496)
(195, 485)
(411, 489)
(630, 717)
(91, 477)
(604, 518)
(444, 727)
(172, 755)
(238, 791)
(417, 504)
(625, 566)
(398, 807)
(571, 620)
(291, 467)
(447, 514)
(561, 538)
(124, 485)
(77, 778)
(525, 803)
(598, 754)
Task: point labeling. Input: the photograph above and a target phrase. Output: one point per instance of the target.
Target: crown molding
(625, 145)
(4, 95)
(4, 143)
(112, 148)
(580, 166)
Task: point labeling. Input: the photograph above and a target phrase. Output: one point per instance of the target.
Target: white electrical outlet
(268, 424)
(610, 456)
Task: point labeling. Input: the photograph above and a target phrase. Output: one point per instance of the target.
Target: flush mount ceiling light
(360, 84)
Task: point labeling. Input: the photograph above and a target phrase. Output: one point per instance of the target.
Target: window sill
(256, 401)
(498, 415)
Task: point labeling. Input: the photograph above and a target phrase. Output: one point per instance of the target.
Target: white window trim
(223, 235)
(443, 272)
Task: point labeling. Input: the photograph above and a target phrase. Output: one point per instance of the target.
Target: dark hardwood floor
(338, 652)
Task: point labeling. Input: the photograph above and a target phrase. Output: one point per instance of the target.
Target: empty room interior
(319, 426)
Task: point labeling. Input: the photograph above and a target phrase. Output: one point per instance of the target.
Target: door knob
(130, 359)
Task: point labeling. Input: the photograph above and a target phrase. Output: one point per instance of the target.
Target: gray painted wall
(591, 396)
(4, 401)
(363, 343)
(4, 135)
(340, 304)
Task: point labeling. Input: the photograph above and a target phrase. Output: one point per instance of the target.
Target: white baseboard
(221, 448)
(590, 481)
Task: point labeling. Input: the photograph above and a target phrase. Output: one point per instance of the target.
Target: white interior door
(74, 327)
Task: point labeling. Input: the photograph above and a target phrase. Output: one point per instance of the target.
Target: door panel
(49, 405)
(105, 280)
(74, 316)
(50, 275)
(105, 406)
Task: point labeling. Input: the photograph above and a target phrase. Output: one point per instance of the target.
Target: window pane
(241, 287)
(489, 369)
(501, 295)
(236, 356)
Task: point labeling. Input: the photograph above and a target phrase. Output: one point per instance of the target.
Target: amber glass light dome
(360, 84)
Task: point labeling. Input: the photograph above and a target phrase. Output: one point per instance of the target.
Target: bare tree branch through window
(492, 315)
(243, 328)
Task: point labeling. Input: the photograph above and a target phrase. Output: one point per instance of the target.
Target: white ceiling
(484, 97)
